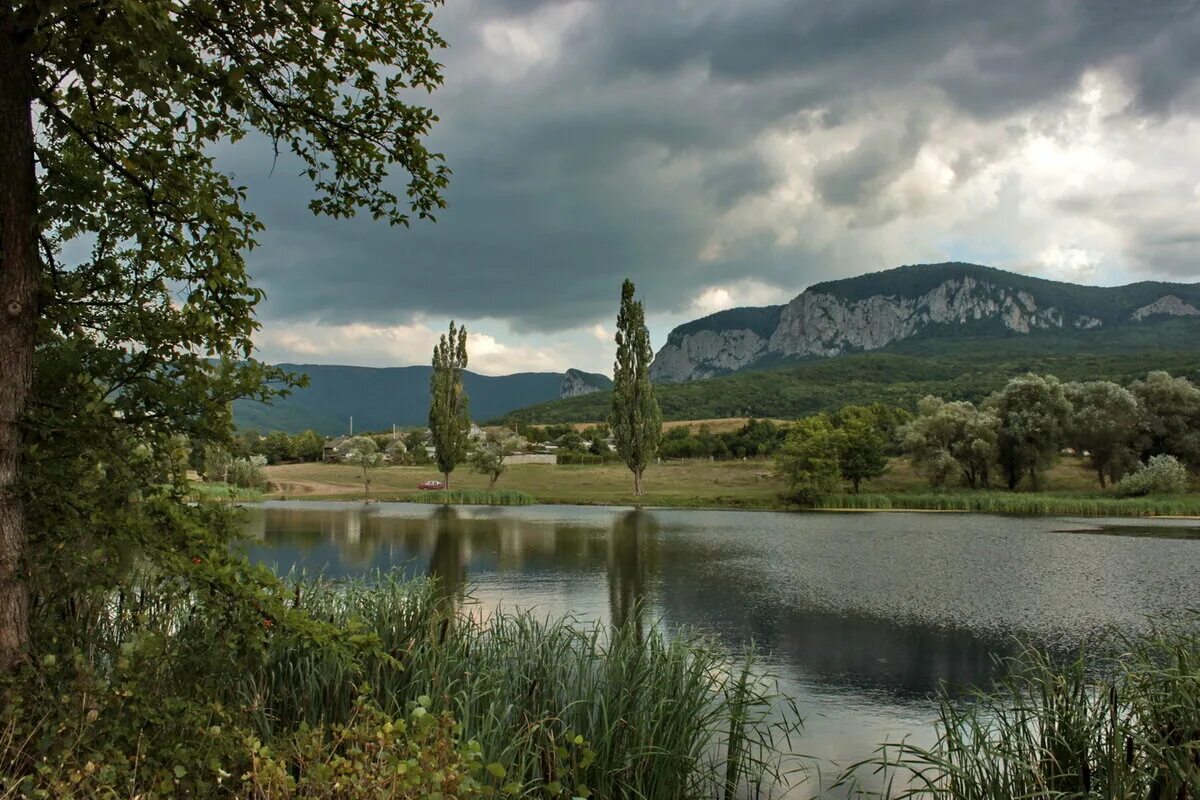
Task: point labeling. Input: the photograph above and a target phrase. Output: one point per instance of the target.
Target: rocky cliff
(576, 382)
(873, 311)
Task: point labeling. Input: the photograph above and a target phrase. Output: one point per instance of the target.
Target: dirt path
(295, 487)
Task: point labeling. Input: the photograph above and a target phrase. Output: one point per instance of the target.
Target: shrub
(248, 472)
(1160, 475)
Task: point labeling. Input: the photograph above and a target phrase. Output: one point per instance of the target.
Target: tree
(362, 452)
(809, 459)
(635, 419)
(309, 446)
(1169, 421)
(1159, 475)
(948, 438)
(1103, 424)
(860, 445)
(1034, 413)
(488, 457)
(277, 446)
(449, 417)
(217, 462)
(396, 450)
(127, 311)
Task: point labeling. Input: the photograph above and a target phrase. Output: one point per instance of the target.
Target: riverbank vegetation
(734, 484)
(1052, 730)
(959, 367)
(161, 689)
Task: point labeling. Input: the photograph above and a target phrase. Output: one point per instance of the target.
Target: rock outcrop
(576, 382)
(1170, 305)
(874, 311)
(820, 324)
(704, 354)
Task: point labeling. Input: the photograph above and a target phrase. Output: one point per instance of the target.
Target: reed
(551, 701)
(215, 491)
(474, 497)
(555, 705)
(1050, 731)
(998, 502)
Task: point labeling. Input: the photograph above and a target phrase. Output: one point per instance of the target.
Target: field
(724, 484)
(1070, 488)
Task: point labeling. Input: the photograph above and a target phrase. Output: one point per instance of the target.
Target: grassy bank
(179, 693)
(1071, 489)
(1056, 731)
(1035, 503)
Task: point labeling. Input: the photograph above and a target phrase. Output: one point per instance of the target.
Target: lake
(862, 615)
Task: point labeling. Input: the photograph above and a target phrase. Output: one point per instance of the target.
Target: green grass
(1071, 489)
(1001, 502)
(209, 491)
(475, 497)
(656, 716)
(1051, 731)
(663, 716)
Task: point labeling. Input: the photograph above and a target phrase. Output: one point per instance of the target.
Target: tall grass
(217, 491)
(1049, 731)
(996, 502)
(474, 497)
(661, 716)
(551, 702)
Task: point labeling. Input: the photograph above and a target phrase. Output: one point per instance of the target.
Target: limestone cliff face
(1167, 304)
(576, 382)
(820, 324)
(704, 354)
(873, 311)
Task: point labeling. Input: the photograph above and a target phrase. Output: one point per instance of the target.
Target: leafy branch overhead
(130, 312)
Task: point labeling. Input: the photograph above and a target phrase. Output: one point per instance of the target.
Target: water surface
(862, 615)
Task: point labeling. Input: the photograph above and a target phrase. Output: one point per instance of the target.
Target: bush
(1160, 475)
(248, 472)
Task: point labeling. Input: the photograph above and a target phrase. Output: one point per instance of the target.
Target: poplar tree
(636, 420)
(449, 416)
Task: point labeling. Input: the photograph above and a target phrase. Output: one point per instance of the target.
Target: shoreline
(1135, 512)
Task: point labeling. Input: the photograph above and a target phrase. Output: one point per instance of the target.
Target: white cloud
(734, 295)
(403, 345)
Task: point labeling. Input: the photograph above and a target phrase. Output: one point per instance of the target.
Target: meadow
(752, 484)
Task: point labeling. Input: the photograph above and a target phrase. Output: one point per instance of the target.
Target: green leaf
(497, 770)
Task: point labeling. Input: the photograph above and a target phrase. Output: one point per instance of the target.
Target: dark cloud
(617, 155)
(852, 179)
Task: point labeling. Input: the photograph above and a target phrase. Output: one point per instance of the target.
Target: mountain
(576, 383)
(965, 367)
(377, 398)
(921, 301)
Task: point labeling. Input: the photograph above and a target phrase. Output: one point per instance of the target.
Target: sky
(723, 154)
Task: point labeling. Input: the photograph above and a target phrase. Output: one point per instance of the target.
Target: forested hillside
(968, 367)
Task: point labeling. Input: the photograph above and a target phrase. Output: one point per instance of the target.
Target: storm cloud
(745, 150)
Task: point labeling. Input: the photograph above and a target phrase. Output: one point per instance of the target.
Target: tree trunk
(1100, 475)
(18, 324)
(856, 482)
(492, 482)
(446, 480)
(637, 483)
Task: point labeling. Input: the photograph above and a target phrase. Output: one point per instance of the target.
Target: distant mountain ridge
(873, 311)
(378, 397)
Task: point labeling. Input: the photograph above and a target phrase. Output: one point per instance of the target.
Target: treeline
(960, 368)
(1141, 438)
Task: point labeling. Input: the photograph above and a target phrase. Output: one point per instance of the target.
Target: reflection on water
(632, 564)
(861, 615)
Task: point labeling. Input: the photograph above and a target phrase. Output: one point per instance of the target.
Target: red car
(432, 485)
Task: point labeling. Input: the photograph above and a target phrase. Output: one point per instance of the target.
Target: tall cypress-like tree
(636, 420)
(449, 416)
